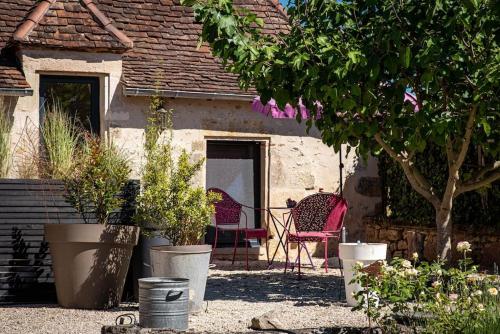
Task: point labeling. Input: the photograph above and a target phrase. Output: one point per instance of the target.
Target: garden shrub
(169, 203)
(424, 297)
(404, 204)
(100, 174)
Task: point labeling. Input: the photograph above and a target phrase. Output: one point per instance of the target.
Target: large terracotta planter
(90, 262)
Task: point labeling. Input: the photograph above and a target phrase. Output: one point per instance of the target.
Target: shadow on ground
(313, 289)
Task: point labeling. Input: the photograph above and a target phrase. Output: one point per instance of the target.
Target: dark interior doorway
(234, 166)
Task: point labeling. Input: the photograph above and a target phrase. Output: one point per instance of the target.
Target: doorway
(235, 167)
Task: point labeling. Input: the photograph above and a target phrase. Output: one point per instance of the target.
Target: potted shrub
(176, 210)
(90, 261)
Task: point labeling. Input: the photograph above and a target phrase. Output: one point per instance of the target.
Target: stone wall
(403, 240)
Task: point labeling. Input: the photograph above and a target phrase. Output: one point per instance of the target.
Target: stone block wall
(403, 240)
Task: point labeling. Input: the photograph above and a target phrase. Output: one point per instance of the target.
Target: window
(78, 96)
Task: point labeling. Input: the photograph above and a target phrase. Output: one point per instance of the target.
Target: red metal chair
(318, 217)
(228, 218)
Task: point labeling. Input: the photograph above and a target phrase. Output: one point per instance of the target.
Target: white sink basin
(362, 251)
(350, 254)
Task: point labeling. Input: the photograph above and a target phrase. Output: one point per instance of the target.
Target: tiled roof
(10, 76)
(164, 54)
(71, 24)
(11, 14)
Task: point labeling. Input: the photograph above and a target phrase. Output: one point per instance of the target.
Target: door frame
(260, 168)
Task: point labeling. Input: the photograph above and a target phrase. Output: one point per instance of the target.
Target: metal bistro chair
(318, 217)
(228, 218)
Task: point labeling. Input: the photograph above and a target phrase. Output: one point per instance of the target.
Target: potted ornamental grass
(90, 260)
(175, 210)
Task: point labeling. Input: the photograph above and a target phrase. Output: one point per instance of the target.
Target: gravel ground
(233, 297)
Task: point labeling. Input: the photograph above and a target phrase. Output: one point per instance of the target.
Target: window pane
(75, 98)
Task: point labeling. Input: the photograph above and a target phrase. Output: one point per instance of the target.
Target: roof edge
(131, 91)
(16, 91)
(32, 20)
(38, 12)
(280, 7)
(107, 24)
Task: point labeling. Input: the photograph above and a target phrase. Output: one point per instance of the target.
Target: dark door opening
(234, 166)
(78, 96)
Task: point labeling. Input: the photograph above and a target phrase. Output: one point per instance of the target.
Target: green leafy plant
(169, 202)
(97, 180)
(5, 154)
(60, 142)
(359, 59)
(427, 297)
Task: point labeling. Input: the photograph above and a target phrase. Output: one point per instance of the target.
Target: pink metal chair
(228, 218)
(318, 217)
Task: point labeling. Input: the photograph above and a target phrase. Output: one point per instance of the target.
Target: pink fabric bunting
(271, 108)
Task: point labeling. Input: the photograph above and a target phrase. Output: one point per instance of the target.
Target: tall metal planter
(189, 262)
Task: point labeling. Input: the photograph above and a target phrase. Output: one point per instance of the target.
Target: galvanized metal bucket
(164, 303)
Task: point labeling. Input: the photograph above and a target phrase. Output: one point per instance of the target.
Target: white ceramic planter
(350, 253)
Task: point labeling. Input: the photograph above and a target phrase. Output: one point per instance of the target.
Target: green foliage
(405, 205)
(490, 322)
(428, 297)
(60, 141)
(359, 57)
(99, 176)
(5, 155)
(168, 201)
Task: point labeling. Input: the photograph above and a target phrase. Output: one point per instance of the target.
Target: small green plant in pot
(90, 260)
(176, 210)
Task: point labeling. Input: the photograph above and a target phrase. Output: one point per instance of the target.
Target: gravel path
(233, 297)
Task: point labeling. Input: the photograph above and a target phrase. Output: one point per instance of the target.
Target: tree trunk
(444, 231)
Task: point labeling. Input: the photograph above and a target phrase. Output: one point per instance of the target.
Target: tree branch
(416, 179)
(469, 186)
(486, 169)
(450, 153)
(465, 141)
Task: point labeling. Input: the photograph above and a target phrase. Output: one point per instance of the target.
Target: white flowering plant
(428, 297)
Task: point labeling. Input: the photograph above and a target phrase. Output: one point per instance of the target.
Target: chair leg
(246, 248)
(298, 248)
(235, 245)
(267, 252)
(326, 255)
(214, 246)
(286, 254)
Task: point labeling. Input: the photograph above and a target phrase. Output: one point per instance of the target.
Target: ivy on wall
(403, 204)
